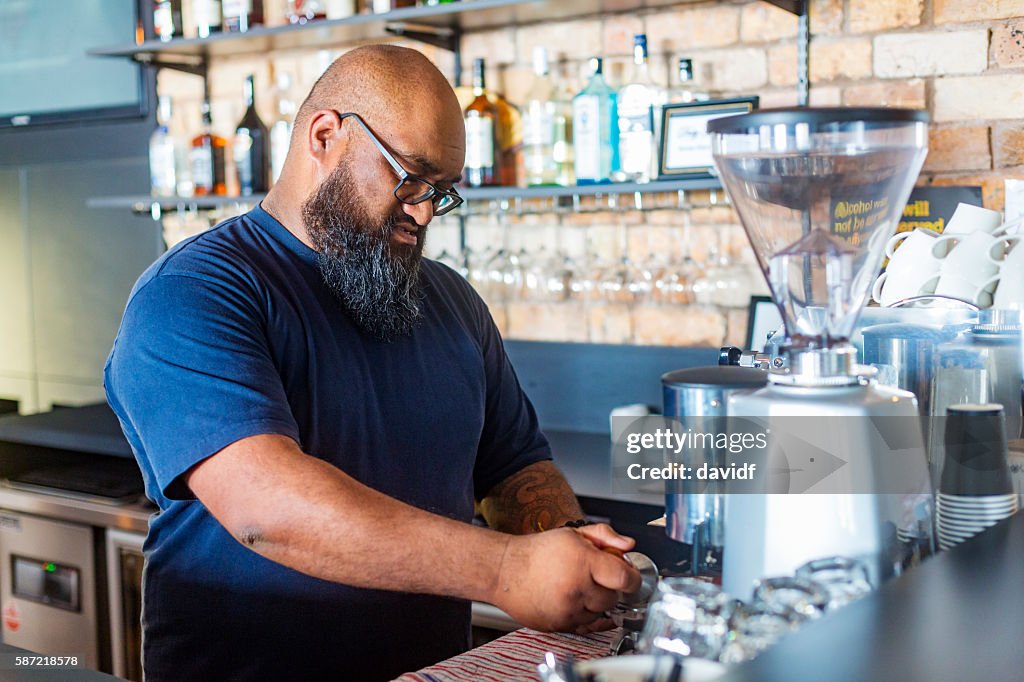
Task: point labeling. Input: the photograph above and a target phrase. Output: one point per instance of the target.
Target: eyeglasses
(411, 189)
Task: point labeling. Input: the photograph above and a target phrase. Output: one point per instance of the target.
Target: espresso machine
(819, 191)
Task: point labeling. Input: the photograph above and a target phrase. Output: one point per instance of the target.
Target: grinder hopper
(819, 192)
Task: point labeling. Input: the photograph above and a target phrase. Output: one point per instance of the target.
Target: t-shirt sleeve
(191, 372)
(511, 438)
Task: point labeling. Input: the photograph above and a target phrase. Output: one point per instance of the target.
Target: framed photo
(685, 146)
(762, 320)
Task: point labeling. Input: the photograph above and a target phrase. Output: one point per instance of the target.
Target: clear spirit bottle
(281, 128)
(162, 173)
(595, 129)
(637, 101)
(539, 114)
(686, 88)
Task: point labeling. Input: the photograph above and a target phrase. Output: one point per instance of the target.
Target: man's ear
(322, 137)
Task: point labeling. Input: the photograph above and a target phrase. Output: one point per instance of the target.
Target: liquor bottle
(206, 159)
(686, 88)
(241, 15)
(167, 19)
(304, 11)
(281, 128)
(340, 9)
(595, 129)
(636, 103)
(481, 120)
(208, 17)
(252, 147)
(539, 124)
(163, 180)
(381, 6)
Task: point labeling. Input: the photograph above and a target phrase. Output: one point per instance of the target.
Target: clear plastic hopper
(819, 192)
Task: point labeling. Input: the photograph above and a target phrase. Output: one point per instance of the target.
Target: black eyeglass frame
(404, 175)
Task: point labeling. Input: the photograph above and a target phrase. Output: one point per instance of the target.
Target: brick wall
(963, 60)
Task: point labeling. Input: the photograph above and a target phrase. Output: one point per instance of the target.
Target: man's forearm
(533, 499)
(304, 513)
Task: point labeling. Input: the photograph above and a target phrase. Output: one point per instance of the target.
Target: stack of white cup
(968, 262)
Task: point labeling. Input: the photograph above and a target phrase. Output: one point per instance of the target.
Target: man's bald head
(386, 85)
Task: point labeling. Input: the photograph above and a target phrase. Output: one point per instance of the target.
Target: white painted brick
(979, 97)
(937, 53)
(737, 70)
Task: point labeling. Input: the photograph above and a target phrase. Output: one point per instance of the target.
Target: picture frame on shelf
(763, 318)
(684, 147)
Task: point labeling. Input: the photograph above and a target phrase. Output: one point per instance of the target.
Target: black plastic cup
(976, 454)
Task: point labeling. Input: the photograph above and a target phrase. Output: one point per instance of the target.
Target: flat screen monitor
(46, 75)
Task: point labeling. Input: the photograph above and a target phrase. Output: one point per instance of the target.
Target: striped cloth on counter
(513, 658)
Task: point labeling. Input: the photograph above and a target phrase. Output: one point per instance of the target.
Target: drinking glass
(844, 579)
(686, 617)
(799, 599)
(753, 628)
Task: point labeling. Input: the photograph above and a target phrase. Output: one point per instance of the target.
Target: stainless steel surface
(133, 517)
(44, 613)
(648, 580)
(818, 367)
(124, 594)
(696, 517)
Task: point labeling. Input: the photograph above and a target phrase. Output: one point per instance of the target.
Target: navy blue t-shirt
(232, 334)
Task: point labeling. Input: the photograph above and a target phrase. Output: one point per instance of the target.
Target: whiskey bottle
(207, 159)
(252, 148)
(481, 121)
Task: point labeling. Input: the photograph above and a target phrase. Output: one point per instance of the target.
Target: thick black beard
(378, 286)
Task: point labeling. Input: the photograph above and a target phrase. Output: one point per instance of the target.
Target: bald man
(316, 408)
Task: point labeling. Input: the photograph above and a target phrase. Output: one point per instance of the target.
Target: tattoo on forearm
(536, 498)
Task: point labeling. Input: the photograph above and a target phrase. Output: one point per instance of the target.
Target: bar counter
(958, 616)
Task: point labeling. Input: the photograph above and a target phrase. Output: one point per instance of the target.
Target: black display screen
(46, 582)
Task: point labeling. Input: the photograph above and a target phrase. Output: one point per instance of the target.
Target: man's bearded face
(374, 279)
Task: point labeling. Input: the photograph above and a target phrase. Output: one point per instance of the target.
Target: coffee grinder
(819, 191)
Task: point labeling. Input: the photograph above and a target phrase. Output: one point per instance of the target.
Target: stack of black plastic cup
(976, 490)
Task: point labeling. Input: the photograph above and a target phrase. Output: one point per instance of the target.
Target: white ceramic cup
(897, 284)
(974, 257)
(968, 218)
(913, 245)
(1010, 292)
(1012, 256)
(954, 286)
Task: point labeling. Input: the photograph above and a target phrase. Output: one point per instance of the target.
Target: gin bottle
(595, 129)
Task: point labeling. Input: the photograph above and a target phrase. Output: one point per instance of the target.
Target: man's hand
(561, 580)
(605, 538)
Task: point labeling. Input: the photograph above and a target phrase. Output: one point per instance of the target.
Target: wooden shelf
(155, 206)
(438, 24)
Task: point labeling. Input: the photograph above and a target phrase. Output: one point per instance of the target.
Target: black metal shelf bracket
(802, 9)
(196, 66)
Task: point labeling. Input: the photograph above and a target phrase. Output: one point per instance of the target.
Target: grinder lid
(815, 116)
